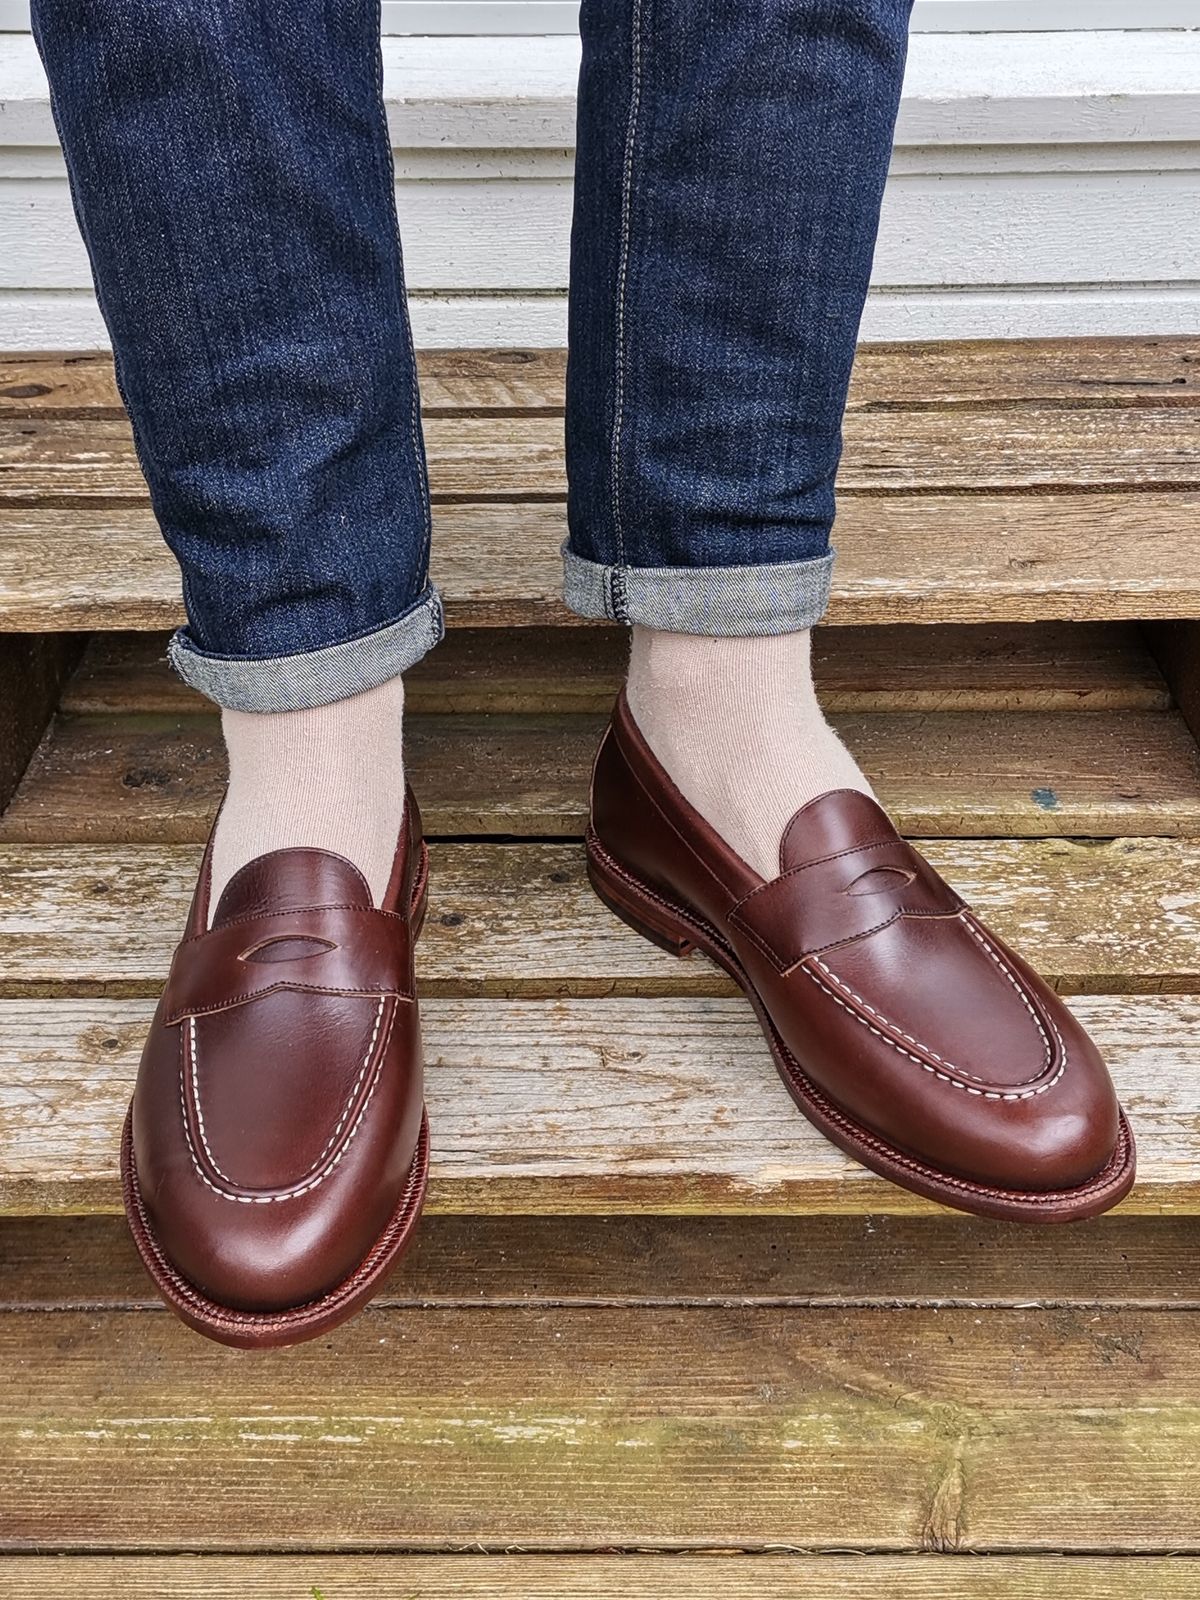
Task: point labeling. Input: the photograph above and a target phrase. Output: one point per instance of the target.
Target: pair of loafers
(276, 1152)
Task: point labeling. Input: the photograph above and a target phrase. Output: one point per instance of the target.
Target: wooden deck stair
(651, 1310)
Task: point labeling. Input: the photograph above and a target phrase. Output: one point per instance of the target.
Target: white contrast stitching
(978, 934)
(983, 1094)
(292, 1194)
(919, 1044)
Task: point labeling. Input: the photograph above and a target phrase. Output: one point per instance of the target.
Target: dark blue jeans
(232, 175)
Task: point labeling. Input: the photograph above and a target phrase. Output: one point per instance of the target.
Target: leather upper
(279, 1099)
(890, 994)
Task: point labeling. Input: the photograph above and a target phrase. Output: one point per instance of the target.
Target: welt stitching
(294, 1314)
(631, 130)
(978, 934)
(292, 1194)
(925, 1066)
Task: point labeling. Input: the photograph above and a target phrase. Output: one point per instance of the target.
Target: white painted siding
(490, 17)
(1042, 183)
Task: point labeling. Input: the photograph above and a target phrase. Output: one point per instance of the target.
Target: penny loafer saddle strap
(321, 950)
(841, 898)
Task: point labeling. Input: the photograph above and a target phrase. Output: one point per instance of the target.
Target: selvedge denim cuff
(725, 602)
(312, 677)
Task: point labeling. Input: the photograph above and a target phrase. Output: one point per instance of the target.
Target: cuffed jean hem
(725, 602)
(312, 677)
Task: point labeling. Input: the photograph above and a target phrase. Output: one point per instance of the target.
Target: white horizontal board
(930, 16)
(69, 319)
(509, 93)
(953, 230)
(955, 16)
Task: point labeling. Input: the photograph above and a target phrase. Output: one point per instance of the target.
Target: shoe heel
(636, 909)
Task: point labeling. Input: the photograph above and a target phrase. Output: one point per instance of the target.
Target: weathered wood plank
(76, 462)
(570, 1577)
(1053, 666)
(1121, 916)
(577, 1106)
(1093, 372)
(144, 779)
(744, 1428)
(922, 558)
(42, 384)
(89, 1263)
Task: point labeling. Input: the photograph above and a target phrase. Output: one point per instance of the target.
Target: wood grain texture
(1118, 1261)
(564, 1106)
(1078, 372)
(917, 558)
(78, 462)
(148, 778)
(632, 1577)
(1050, 666)
(729, 1428)
(1121, 916)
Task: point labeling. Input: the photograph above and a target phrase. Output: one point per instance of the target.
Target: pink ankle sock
(737, 725)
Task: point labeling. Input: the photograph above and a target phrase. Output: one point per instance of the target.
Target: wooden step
(964, 731)
(564, 1106)
(148, 777)
(973, 373)
(980, 483)
(597, 1428)
(528, 981)
(74, 464)
(928, 558)
(521, 920)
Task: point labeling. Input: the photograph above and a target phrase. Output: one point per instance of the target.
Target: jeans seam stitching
(405, 318)
(631, 131)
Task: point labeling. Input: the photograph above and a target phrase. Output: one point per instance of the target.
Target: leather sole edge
(263, 1330)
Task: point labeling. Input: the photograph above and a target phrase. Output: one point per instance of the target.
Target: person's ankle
(326, 778)
(737, 725)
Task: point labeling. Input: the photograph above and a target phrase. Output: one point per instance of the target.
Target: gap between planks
(1114, 1262)
(1034, 667)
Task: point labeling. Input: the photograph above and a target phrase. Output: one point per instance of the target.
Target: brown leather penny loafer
(904, 1029)
(275, 1154)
